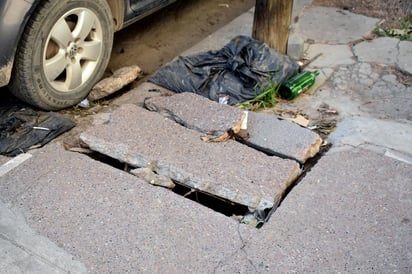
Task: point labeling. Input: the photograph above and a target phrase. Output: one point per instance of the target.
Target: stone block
(228, 170)
(267, 132)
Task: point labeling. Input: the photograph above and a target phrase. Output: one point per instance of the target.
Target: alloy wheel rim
(73, 49)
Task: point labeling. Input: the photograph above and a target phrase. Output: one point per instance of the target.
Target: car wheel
(64, 51)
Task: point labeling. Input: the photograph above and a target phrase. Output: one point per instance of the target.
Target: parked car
(53, 51)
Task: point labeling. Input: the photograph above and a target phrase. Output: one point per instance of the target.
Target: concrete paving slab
(382, 50)
(350, 214)
(332, 55)
(228, 170)
(366, 90)
(196, 112)
(23, 250)
(404, 62)
(267, 132)
(114, 222)
(342, 26)
(380, 135)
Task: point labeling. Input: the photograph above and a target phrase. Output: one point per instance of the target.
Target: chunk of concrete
(227, 170)
(382, 50)
(266, 131)
(342, 26)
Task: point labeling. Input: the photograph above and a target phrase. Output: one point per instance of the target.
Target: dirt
(390, 11)
(157, 39)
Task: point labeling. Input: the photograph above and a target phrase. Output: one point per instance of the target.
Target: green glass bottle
(297, 84)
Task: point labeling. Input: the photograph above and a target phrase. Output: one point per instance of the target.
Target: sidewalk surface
(66, 212)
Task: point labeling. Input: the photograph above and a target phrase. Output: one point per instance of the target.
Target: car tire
(64, 51)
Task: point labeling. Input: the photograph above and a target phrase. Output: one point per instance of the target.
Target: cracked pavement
(351, 213)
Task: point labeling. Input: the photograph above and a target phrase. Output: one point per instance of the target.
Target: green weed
(404, 33)
(265, 99)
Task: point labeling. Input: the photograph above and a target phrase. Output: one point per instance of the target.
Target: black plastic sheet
(24, 128)
(238, 70)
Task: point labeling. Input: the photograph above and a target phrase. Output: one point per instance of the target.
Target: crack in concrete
(241, 249)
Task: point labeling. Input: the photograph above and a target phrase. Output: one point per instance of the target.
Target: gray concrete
(23, 250)
(386, 50)
(266, 132)
(107, 219)
(351, 213)
(382, 50)
(404, 62)
(228, 170)
(332, 55)
(342, 26)
(394, 140)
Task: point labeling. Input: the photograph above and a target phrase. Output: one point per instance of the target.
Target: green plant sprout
(404, 33)
(265, 99)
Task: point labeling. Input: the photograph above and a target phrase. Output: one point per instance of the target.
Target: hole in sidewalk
(228, 208)
(225, 207)
(220, 205)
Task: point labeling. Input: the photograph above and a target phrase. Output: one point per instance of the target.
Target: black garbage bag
(238, 70)
(23, 128)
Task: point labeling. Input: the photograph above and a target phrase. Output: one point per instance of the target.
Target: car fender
(14, 15)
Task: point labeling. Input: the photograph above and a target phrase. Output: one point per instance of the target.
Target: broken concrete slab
(351, 213)
(23, 250)
(382, 50)
(404, 62)
(196, 112)
(228, 170)
(111, 221)
(281, 137)
(332, 55)
(115, 82)
(342, 27)
(382, 136)
(266, 131)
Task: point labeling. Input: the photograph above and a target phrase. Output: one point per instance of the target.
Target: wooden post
(271, 23)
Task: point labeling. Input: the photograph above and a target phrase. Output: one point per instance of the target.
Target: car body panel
(137, 9)
(14, 15)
